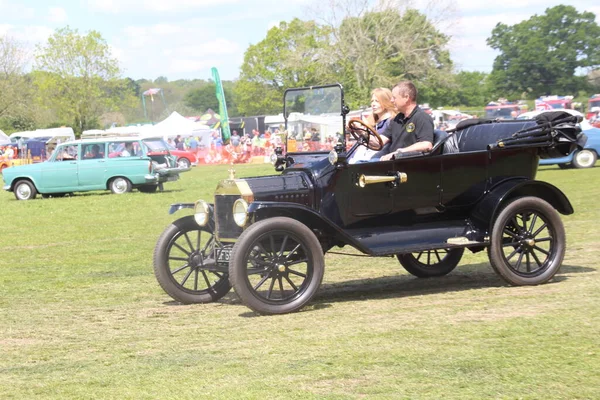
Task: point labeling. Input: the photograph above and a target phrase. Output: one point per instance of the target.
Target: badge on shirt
(410, 127)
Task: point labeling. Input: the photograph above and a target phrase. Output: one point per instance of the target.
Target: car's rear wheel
(430, 263)
(25, 190)
(148, 188)
(120, 185)
(183, 163)
(277, 266)
(528, 242)
(584, 159)
(185, 266)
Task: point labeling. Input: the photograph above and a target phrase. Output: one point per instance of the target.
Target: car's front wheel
(183, 163)
(527, 244)
(25, 190)
(276, 266)
(584, 159)
(185, 263)
(120, 185)
(431, 263)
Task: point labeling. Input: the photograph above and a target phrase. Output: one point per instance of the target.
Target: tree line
(74, 79)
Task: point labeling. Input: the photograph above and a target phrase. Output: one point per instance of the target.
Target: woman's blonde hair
(384, 96)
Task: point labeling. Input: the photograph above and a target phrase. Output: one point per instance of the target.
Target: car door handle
(395, 179)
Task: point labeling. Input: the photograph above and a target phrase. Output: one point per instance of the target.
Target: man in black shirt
(412, 129)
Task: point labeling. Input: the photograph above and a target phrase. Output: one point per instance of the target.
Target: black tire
(184, 263)
(119, 185)
(24, 190)
(148, 188)
(528, 229)
(184, 163)
(277, 266)
(431, 263)
(564, 166)
(584, 158)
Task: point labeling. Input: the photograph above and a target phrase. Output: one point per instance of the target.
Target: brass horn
(398, 177)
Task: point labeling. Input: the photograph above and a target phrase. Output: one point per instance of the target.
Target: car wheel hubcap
(278, 268)
(584, 158)
(120, 185)
(528, 243)
(190, 264)
(24, 191)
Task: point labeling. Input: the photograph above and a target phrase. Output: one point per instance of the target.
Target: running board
(401, 239)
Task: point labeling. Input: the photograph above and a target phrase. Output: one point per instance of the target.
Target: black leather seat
(478, 137)
(438, 140)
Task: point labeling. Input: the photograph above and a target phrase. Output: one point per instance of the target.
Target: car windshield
(314, 119)
(594, 103)
(156, 145)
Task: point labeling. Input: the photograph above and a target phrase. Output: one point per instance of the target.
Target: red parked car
(185, 158)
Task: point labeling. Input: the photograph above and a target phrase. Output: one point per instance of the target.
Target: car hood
(20, 170)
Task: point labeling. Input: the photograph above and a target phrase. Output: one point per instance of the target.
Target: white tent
(176, 124)
(66, 133)
(3, 137)
(326, 124)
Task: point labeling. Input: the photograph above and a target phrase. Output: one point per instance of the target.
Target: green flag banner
(225, 132)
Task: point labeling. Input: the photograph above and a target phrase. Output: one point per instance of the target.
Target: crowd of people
(9, 152)
(402, 124)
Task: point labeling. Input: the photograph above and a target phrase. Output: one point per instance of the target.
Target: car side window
(124, 149)
(93, 151)
(66, 153)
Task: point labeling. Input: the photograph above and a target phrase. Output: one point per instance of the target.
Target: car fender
(211, 209)
(26, 177)
(322, 226)
(495, 199)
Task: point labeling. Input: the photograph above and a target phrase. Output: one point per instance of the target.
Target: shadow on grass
(468, 277)
(475, 276)
(575, 269)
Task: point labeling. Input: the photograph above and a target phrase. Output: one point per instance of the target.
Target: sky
(183, 39)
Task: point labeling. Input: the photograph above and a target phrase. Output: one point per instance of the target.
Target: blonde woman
(382, 112)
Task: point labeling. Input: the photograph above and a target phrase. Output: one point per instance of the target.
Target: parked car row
(118, 164)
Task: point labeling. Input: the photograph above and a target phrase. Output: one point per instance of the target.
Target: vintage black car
(476, 189)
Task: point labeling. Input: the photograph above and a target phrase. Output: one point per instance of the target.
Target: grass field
(82, 316)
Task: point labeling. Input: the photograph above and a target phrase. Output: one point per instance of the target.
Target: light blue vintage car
(118, 164)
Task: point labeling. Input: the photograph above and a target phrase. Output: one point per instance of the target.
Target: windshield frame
(342, 113)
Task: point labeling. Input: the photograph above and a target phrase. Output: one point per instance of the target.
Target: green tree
(202, 98)
(79, 78)
(542, 55)
(473, 89)
(15, 86)
(288, 57)
(386, 44)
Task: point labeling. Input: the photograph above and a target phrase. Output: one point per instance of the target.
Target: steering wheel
(363, 132)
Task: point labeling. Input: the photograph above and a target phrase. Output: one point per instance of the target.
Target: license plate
(223, 255)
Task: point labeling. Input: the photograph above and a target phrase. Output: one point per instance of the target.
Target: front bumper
(6, 187)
